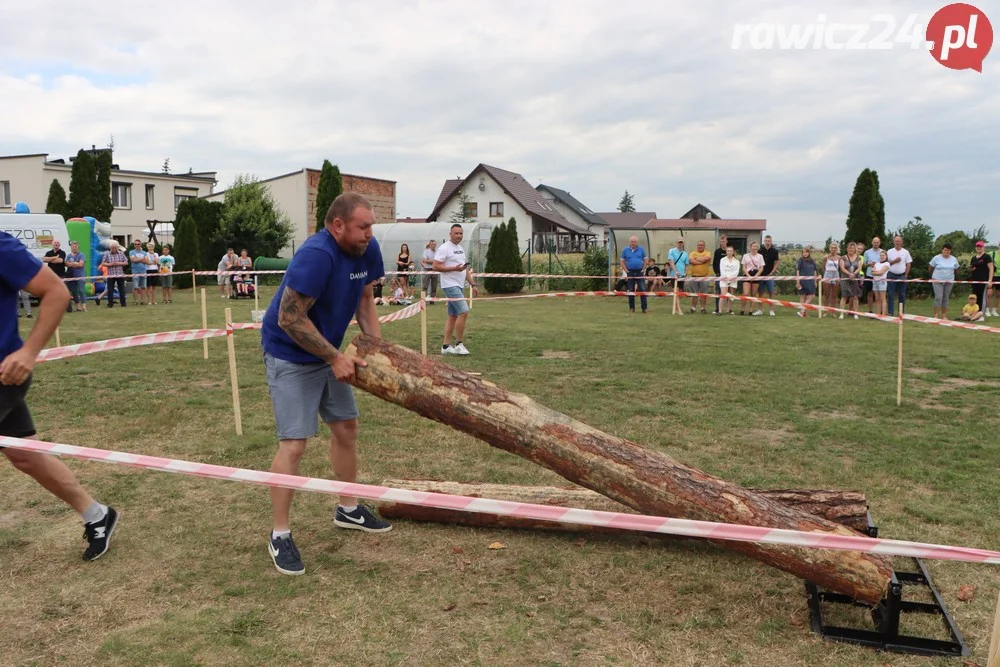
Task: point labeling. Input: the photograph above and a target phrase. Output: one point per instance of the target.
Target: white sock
(275, 534)
(94, 513)
(348, 509)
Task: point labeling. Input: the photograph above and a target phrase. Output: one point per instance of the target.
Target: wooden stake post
(204, 319)
(194, 286)
(820, 311)
(58, 343)
(899, 364)
(233, 380)
(423, 322)
(994, 657)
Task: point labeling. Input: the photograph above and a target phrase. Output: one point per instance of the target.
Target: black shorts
(152, 279)
(15, 418)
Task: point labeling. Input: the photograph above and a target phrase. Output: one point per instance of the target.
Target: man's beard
(358, 250)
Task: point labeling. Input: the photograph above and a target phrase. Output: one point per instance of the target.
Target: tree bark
(848, 508)
(646, 480)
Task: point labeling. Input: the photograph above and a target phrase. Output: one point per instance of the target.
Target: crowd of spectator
(147, 270)
(874, 278)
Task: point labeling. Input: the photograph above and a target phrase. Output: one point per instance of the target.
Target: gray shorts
(167, 280)
(138, 281)
(698, 285)
(300, 392)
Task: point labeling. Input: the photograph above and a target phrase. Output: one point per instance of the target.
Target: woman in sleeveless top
(850, 286)
(831, 276)
(403, 263)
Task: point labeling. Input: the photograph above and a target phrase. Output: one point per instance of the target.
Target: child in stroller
(243, 286)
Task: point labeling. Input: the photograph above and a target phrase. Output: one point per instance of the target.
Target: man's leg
(344, 455)
(460, 326)
(53, 475)
(286, 462)
(902, 294)
(891, 294)
(630, 287)
(641, 287)
(449, 326)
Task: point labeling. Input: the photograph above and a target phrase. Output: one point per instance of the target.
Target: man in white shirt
(454, 268)
(427, 264)
(899, 271)
(227, 263)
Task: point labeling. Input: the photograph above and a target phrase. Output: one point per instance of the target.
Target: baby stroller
(243, 287)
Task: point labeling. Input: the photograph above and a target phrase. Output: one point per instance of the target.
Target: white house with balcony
(496, 195)
(138, 197)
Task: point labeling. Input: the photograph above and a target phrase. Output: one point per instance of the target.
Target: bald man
(633, 262)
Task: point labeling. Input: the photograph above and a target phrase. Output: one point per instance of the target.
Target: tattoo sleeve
(293, 318)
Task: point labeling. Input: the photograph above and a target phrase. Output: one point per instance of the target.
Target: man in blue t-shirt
(75, 263)
(137, 262)
(328, 282)
(20, 270)
(633, 264)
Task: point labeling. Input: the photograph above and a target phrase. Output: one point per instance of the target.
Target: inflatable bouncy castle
(94, 238)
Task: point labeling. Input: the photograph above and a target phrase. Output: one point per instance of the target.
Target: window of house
(471, 209)
(149, 196)
(121, 195)
(4, 194)
(496, 209)
(180, 194)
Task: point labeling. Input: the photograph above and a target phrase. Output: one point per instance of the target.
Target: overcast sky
(592, 97)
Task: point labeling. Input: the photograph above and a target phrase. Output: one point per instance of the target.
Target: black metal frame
(886, 616)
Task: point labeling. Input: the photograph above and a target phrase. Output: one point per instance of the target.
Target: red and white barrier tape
(740, 297)
(81, 349)
(553, 276)
(742, 278)
(401, 314)
(649, 524)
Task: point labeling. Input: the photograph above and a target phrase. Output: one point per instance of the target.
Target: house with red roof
(496, 195)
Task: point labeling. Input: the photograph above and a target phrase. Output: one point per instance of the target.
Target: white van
(37, 231)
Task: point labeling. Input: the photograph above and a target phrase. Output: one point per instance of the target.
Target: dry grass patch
(189, 581)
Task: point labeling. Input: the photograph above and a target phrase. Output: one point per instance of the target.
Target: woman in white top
(831, 276)
(880, 280)
(753, 264)
(729, 271)
(152, 272)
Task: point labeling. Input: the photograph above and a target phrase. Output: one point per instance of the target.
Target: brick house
(295, 194)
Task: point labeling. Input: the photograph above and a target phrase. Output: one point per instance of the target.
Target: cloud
(589, 96)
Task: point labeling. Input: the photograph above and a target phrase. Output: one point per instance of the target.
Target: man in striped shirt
(115, 260)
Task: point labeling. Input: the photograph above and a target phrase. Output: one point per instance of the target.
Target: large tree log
(848, 508)
(647, 480)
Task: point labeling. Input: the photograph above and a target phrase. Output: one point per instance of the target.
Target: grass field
(770, 402)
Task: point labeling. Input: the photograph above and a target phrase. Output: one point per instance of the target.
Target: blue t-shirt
(944, 269)
(17, 267)
(138, 259)
(72, 272)
(871, 256)
(322, 271)
(634, 260)
(680, 260)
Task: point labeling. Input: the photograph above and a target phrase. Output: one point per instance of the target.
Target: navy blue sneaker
(285, 555)
(98, 535)
(361, 518)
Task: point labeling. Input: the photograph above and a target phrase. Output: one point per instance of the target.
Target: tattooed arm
(293, 318)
